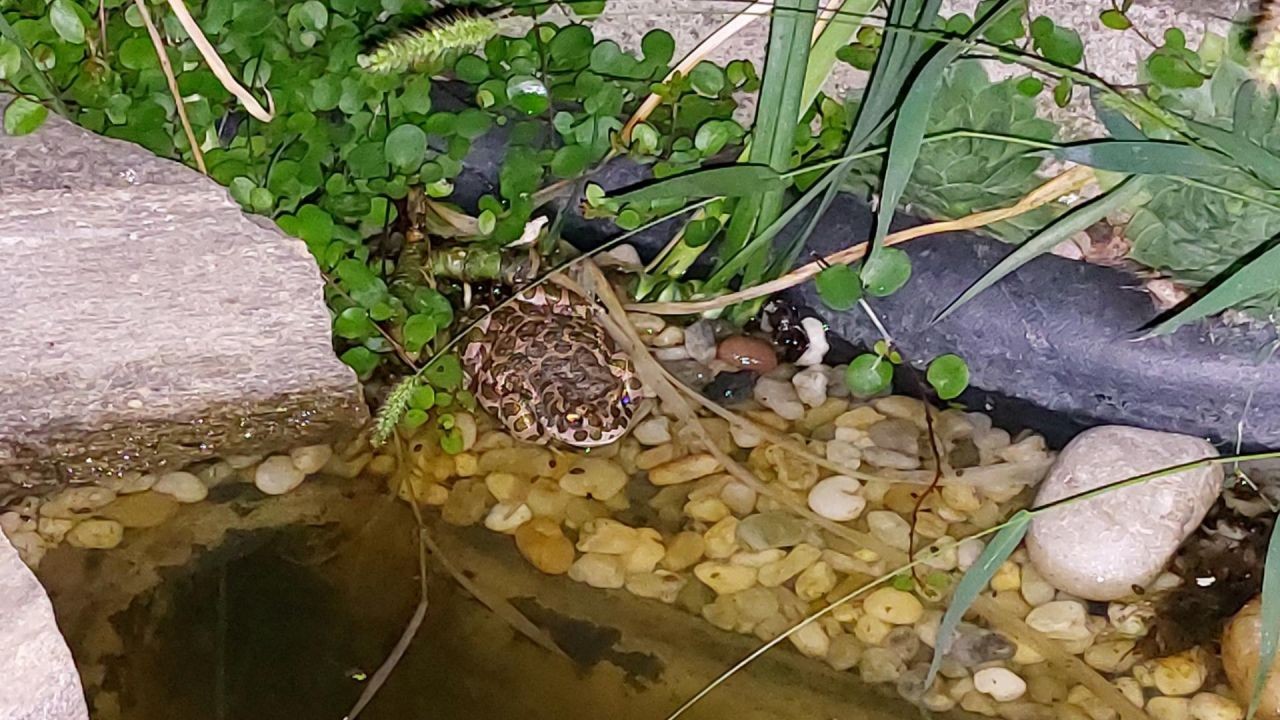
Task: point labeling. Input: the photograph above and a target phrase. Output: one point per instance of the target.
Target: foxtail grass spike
(433, 47)
(393, 409)
(1264, 56)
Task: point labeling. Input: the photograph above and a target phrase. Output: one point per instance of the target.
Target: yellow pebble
(893, 606)
(1007, 577)
(1181, 674)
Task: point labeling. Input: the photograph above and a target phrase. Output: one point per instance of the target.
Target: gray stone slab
(150, 321)
(38, 680)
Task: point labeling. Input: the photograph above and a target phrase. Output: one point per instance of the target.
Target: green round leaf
(137, 53)
(886, 272)
(471, 69)
(839, 286)
(658, 47)
(362, 360)
(418, 331)
(354, 324)
(423, 397)
(1030, 86)
(10, 60)
(406, 146)
(1062, 91)
(949, 376)
(570, 161)
(66, 22)
(528, 94)
(868, 375)
(706, 79)
(414, 418)
(1115, 19)
(23, 116)
(445, 373)
(1056, 43)
(572, 45)
(451, 441)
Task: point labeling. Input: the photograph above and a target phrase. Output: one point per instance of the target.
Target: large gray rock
(1104, 547)
(150, 322)
(38, 680)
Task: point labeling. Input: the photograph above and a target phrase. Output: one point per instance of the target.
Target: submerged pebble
(747, 353)
(278, 475)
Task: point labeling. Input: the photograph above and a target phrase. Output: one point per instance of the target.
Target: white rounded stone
(1140, 526)
(653, 431)
(779, 396)
(837, 498)
(811, 385)
(1002, 684)
(277, 475)
(311, 458)
(505, 517)
(96, 534)
(185, 487)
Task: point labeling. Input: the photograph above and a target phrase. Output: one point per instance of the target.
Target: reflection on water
(287, 622)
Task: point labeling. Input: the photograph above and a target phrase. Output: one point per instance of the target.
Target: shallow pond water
(286, 622)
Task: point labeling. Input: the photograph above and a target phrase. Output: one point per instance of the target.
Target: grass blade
(1117, 125)
(1146, 157)
(909, 128)
(1256, 277)
(849, 17)
(724, 181)
(1248, 154)
(1270, 617)
(1076, 220)
(974, 581)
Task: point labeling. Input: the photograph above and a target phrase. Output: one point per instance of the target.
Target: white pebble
(811, 640)
(745, 436)
(505, 517)
(311, 458)
(277, 475)
(185, 487)
(700, 341)
(653, 431)
(889, 528)
(837, 498)
(968, 552)
(96, 534)
(811, 385)
(240, 462)
(1060, 620)
(816, 335)
(779, 396)
(1000, 683)
(1208, 706)
(129, 483)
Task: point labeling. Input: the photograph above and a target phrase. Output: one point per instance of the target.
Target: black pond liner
(1052, 347)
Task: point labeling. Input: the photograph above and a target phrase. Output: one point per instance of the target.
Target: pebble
(129, 483)
(1141, 526)
(707, 509)
(217, 473)
(811, 385)
(544, 545)
(660, 585)
(879, 665)
(811, 640)
(893, 606)
(739, 497)
(599, 571)
(844, 651)
(653, 431)
(745, 436)
(974, 646)
(1000, 683)
(1060, 620)
(1035, 589)
(669, 337)
(1111, 656)
(796, 561)
(684, 469)
(507, 487)
(54, 529)
(546, 499)
(683, 551)
(523, 460)
(837, 498)
(968, 552)
(691, 373)
(187, 488)
(871, 629)
(776, 529)
(1169, 708)
(594, 478)
(648, 552)
(747, 353)
(1180, 674)
(721, 540)
(309, 459)
(817, 580)
(1007, 577)
(779, 396)
(607, 536)
(140, 510)
(890, 528)
(1208, 706)
(896, 434)
(505, 517)
(96, 534)
(276, 475)
(904, 641)
(77, 502)
(700, 341)
(817, 343)
(881, 457)
(725, 578)
(468, 502)
(243, 462)
(646, 325)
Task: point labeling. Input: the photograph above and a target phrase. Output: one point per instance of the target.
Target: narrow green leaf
(726, 181)
(1259, 160)
(1146, 157)
(1270, 619)
(848, 18)
(909, 129)
(975, 580)
(1117, 125)
(1256, 277)
(1077, 220)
